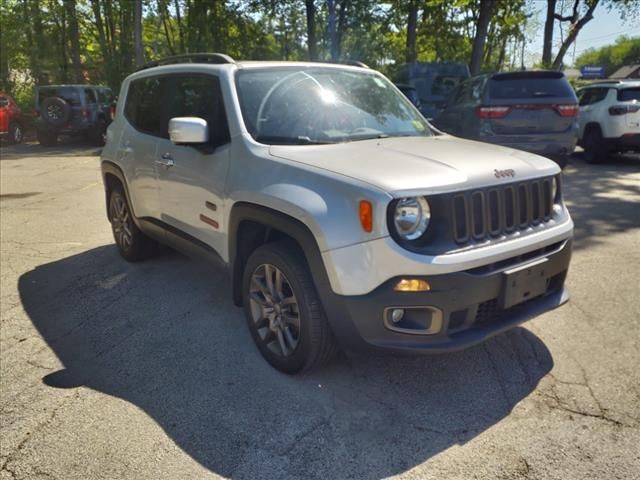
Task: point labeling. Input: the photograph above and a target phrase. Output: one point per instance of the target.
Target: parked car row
(73, 110)
(535, 111)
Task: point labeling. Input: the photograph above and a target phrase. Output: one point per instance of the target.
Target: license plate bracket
(524, 282)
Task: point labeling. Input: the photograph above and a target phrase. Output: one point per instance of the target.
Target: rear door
(530, 103)
(449, 120)
(192, 178)
(591, 105)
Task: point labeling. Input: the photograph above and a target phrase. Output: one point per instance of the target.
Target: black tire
(561, 160)
(16, 134)
(98, 134)
(47, 138)
(315, 342)
(55, 111)
(595, 149)
(132, 244)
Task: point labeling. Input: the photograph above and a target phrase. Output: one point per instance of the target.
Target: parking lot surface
(147, 371)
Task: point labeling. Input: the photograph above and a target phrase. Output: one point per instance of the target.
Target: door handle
(166, 160)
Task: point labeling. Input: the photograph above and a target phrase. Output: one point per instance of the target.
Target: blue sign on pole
(593, 71)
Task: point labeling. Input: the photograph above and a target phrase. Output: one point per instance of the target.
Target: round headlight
(411, 217)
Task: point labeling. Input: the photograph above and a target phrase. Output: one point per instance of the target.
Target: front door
(191, 178)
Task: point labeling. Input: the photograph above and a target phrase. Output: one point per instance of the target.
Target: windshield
(294, 106)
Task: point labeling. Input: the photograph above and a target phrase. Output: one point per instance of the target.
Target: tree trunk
(137, 32)
(162, 9)
(34, 64)
(311, 29)
(331, 5)
(412, 26)
(102, 41)
(576, 26)
(75, 40)
(36, 20)
(548, 33)
(179, 22)
(342, 25)
(486, 12)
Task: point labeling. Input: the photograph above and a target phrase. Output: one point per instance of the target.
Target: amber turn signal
(412, 285)
(366, 215)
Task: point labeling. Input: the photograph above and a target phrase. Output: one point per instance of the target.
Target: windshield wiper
(357, 138)
(282, 140)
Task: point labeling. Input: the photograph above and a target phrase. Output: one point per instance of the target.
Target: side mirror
(188, 130)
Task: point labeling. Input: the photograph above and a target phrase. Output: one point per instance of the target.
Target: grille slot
(478, 214)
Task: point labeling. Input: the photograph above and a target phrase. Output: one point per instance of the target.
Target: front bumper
(469, 305)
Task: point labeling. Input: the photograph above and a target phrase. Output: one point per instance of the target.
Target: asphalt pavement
(113, 370)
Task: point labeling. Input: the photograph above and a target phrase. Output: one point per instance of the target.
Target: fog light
(412, 285)
(397, 314)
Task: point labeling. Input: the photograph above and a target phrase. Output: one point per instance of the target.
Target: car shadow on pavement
(164, 336)
(602, 201)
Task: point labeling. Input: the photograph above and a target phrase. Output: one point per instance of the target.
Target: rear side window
(593, 95)
(144, 105)
(196, 96)
(527, 88)
(629, 94)
(90, 96)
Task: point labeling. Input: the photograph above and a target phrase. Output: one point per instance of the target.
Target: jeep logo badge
(504, 173)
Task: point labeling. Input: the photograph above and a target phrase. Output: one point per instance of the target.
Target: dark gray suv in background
(536, 111)
(73, 110)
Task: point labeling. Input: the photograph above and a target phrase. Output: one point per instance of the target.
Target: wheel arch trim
(272, 219)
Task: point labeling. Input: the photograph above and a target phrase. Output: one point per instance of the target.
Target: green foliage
(37, 43)
(625, 51)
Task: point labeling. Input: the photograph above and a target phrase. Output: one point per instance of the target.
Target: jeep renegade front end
(341, 215)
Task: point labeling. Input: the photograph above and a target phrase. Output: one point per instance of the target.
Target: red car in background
(10, 124)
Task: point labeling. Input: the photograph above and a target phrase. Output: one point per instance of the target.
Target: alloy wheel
(274, 310)
(121, 222)
(17, 134)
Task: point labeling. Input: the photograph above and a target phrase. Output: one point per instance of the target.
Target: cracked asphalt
(112, 370)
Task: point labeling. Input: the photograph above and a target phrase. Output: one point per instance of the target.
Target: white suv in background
(609, 118)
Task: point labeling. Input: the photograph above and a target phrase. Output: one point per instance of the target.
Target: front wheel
(98, 134)
(16, 134)
(283, 310)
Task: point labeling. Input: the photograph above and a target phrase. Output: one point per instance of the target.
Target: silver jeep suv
(342, 216)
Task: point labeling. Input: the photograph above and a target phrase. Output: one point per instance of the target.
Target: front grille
(492, 212)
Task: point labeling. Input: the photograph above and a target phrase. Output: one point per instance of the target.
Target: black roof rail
(203, 57)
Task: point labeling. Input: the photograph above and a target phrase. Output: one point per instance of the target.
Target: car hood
(438, 164)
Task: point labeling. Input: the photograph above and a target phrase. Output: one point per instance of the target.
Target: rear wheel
(283, 310)
(132, 243)
(98, 135)
(595, 149)
(47, 138)
(16, 134)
